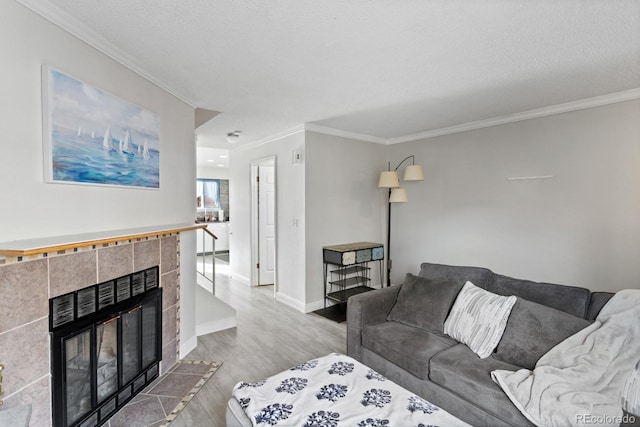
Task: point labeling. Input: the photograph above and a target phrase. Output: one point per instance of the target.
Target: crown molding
(344, 134)
(582, 104)
(275, 137)
(83, 32)
(311, 128)
(597, 101)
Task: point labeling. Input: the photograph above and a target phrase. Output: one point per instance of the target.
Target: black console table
(350, 274)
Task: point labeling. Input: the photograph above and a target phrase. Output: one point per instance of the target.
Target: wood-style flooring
(270, 337)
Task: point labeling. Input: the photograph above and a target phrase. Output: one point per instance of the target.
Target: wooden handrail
(206, 230)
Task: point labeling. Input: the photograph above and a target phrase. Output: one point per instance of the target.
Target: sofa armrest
(367, 309)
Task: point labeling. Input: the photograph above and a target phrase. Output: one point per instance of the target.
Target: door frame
(255, 234)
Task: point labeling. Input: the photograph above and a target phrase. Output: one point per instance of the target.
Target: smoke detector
(232, 137)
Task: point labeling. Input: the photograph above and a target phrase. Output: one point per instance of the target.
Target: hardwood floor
(270, 337)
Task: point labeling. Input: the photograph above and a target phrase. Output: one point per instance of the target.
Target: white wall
(343, 201)
(290, 182)
(32, 208)
(29, 207)
(582, 227)
(213, 172)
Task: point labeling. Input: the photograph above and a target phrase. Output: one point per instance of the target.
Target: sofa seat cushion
(408, 347)
(460, 371)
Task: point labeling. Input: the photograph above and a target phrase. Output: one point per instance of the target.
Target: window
(208, 193)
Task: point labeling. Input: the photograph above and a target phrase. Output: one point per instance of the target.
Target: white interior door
(267, 224)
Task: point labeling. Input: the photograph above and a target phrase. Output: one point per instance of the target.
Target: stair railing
(201, 268)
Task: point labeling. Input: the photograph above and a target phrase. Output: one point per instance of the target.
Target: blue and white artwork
(93, 137)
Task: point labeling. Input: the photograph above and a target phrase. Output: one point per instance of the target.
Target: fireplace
(34, 271)
(106, 344)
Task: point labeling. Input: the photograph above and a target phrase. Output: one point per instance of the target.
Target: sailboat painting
(123, 150)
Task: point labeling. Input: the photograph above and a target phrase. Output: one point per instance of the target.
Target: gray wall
(343, 203)
(582, 227)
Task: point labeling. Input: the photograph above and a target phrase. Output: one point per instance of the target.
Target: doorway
(263, 222)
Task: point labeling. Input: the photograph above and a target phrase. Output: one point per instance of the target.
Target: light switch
(298, 156)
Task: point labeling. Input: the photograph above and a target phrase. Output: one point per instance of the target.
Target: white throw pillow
(478, 319)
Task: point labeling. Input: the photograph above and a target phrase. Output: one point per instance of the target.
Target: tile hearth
(163, 400)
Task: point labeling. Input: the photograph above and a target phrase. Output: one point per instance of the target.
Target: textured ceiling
(385, 68)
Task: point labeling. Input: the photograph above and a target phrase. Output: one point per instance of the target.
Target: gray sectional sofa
(398, 331)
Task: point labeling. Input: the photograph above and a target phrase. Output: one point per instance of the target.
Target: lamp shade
(398, 195)
(413, 173)
(388, 179)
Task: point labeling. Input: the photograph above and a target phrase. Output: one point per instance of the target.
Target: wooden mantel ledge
(30, 247)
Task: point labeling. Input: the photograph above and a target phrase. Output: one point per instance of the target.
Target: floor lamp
(389, 179)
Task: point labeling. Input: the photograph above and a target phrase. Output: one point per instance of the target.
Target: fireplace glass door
(104, 350)
(149, 335)
(78, 368)
(107, 351)
(130, 345)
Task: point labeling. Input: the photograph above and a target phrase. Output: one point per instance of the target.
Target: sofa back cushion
(597, 301)
(534, 329)
(570, 299)
(456, 274)
(424, 303)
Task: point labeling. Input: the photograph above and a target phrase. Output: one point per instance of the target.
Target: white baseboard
(240, 278)
(299, 305)
(291, 302)
(313, 306)
(216, 325)
(188, 346)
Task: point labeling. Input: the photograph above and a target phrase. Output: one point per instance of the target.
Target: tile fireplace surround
(27, 282)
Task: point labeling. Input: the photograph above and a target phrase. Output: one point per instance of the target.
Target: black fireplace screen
(106, 347)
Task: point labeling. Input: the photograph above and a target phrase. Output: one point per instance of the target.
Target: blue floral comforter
(335, 391)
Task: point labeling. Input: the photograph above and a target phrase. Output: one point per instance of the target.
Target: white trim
(299, 305)
(291, 302)
(240, 278)
(215, 326)
(83, 32)
(188, 346)
(271, 138)
(313, 306)
(596, 101)
(344, 134)
(255, 227)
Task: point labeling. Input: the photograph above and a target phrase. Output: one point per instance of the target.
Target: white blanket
(336, 391)
(579, 381)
